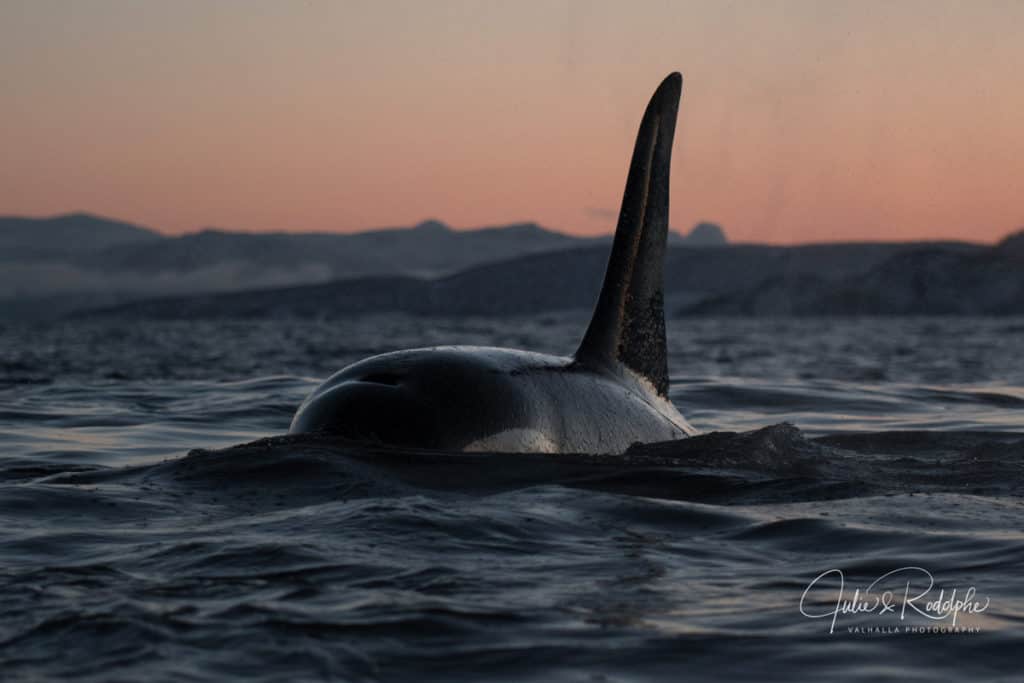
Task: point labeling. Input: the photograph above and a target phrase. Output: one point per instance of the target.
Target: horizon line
(490, 226)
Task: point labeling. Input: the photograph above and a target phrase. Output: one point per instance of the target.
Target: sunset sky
(800, 120)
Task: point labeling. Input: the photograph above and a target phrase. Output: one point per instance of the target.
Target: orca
(612, 393)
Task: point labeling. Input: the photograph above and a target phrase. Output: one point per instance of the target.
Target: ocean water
(150, 531)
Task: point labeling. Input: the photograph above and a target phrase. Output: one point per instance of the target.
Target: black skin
(458, 398)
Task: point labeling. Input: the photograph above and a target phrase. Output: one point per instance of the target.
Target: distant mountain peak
(1013, 243)
(706, 234)
(529, 226)
(211, 232)
(69, 233)
(431, 225)
(79, 216)
(527, 229)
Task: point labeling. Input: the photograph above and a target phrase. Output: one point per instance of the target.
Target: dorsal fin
(628, 325)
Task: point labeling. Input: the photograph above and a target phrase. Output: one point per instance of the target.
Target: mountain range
(522, 268)
(79, 260)
(946, 278)
(928, 280)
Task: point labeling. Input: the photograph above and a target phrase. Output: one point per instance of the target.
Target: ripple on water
(305, 558)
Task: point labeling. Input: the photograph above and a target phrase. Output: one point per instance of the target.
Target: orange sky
(801, 120)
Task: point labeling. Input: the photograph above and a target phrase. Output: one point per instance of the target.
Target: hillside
(71, 234)
(929, 280)
(707, 281)
(53, 266)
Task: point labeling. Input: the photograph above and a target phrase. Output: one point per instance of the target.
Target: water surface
(137, 543)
